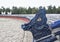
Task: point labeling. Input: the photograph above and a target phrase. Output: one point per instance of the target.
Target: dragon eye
(39, 19)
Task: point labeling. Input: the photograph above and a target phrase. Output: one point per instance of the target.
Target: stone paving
(10, 31)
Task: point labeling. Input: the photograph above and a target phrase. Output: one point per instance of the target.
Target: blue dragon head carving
(39, 27)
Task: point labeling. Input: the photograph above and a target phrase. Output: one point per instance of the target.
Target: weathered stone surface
(10, 31)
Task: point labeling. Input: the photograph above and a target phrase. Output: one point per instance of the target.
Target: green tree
(34, 10)
(22, 10)
(3, 9)
(29, 10)
(7, 10)
(49, 9)
(14, 10)
(0, 10)
(58, 10)
(54, 10)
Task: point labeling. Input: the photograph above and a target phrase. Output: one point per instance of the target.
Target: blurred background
(9, 31)
(29, 6)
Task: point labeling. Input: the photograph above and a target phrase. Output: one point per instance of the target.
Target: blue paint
(39, 27)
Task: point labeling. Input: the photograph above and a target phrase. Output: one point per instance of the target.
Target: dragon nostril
(23, 26)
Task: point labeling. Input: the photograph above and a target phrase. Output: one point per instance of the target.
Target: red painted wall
(16, 17)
